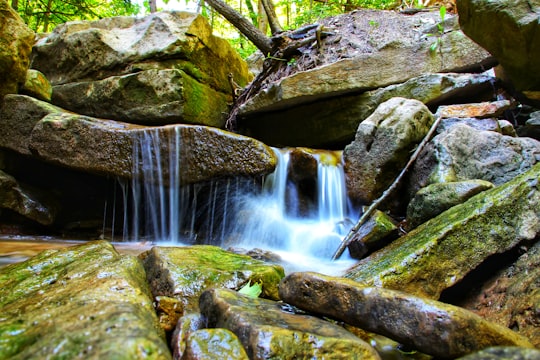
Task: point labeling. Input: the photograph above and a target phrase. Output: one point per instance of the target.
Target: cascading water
(239, 213)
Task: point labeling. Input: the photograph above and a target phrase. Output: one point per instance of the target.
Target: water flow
(235, 212)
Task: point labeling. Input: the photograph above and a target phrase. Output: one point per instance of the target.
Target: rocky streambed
(447, 269)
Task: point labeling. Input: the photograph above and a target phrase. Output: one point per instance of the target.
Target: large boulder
(510, 30)
(364, 51)
(442, 251)
(164, 68)
(152, 97)
(16, 41)
(33, 127)
(86, 301)
(334, 121)
(382, 147)
(430, 326)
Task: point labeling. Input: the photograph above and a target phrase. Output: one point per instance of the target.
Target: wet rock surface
(441, 251)
(382, 147)
(268, 331)
(185, 272)
(86, 301)
(216, 344)
(430, 326)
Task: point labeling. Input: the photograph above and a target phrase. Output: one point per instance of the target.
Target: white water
(237, 213)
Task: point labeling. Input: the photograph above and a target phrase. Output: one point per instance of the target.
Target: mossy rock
(185, 272)
(85, 301)
(440, 252)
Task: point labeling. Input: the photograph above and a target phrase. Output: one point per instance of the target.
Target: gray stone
(106, 147)
(442, 251)
(504, 353)
(18, 116)
(331, 121)
(151, 97)
(433, 199)
(28, 202)
(430, 326)
(268, 331)
(510, 30)
(382, 147)
(463, 153)
(374, 57)
(123, 45)
(187, 324)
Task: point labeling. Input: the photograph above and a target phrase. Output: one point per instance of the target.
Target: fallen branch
(365, 216)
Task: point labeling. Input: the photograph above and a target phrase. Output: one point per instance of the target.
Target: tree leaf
(251, 290)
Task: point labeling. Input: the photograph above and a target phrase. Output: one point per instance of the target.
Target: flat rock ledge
(268, 331)
(85, 301)
(430, 326)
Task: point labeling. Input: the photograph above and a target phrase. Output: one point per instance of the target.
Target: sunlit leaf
(251, 290)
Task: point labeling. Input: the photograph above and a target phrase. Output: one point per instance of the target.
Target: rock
(309, 125)
(479, 110)
(510, 31)
(375, 233)
(28, 202)
(382, 147)
(268, 332)
(124, 45)
(531, 127)
(218, 344)
(371, 56)
(188, 324)
(18, 116)
(504, 353)
(429, 326)
(85, 301)
(511, 297)
(37, 85)
(151, 97)
(441, 251)
(463, 153)
(106, 147)
(507, 128)
(185, 272)
(488, 124)
(169, 311)
(433, 199)
(15, 49)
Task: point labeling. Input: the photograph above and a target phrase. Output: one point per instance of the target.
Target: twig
(365, 216)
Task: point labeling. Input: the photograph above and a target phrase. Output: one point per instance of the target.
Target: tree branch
(365, 216)
(262, 42)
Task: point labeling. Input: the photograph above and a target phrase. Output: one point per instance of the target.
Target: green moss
(442, 251)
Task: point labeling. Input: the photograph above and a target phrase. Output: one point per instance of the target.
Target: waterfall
(234, 212)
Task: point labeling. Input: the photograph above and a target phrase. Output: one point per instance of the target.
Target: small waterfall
(234, 212)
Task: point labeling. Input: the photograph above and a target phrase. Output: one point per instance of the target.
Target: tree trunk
(270, 11)
(249, 30)
(15, 5)
(153, 6)
(263, 19)
(46, 17)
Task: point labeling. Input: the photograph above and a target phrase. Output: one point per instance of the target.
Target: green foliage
(436, 45)
(43, 16)
(251, 290)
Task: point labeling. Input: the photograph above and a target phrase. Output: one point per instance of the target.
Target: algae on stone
(85, 301)
(440, 252)
(185, 272)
